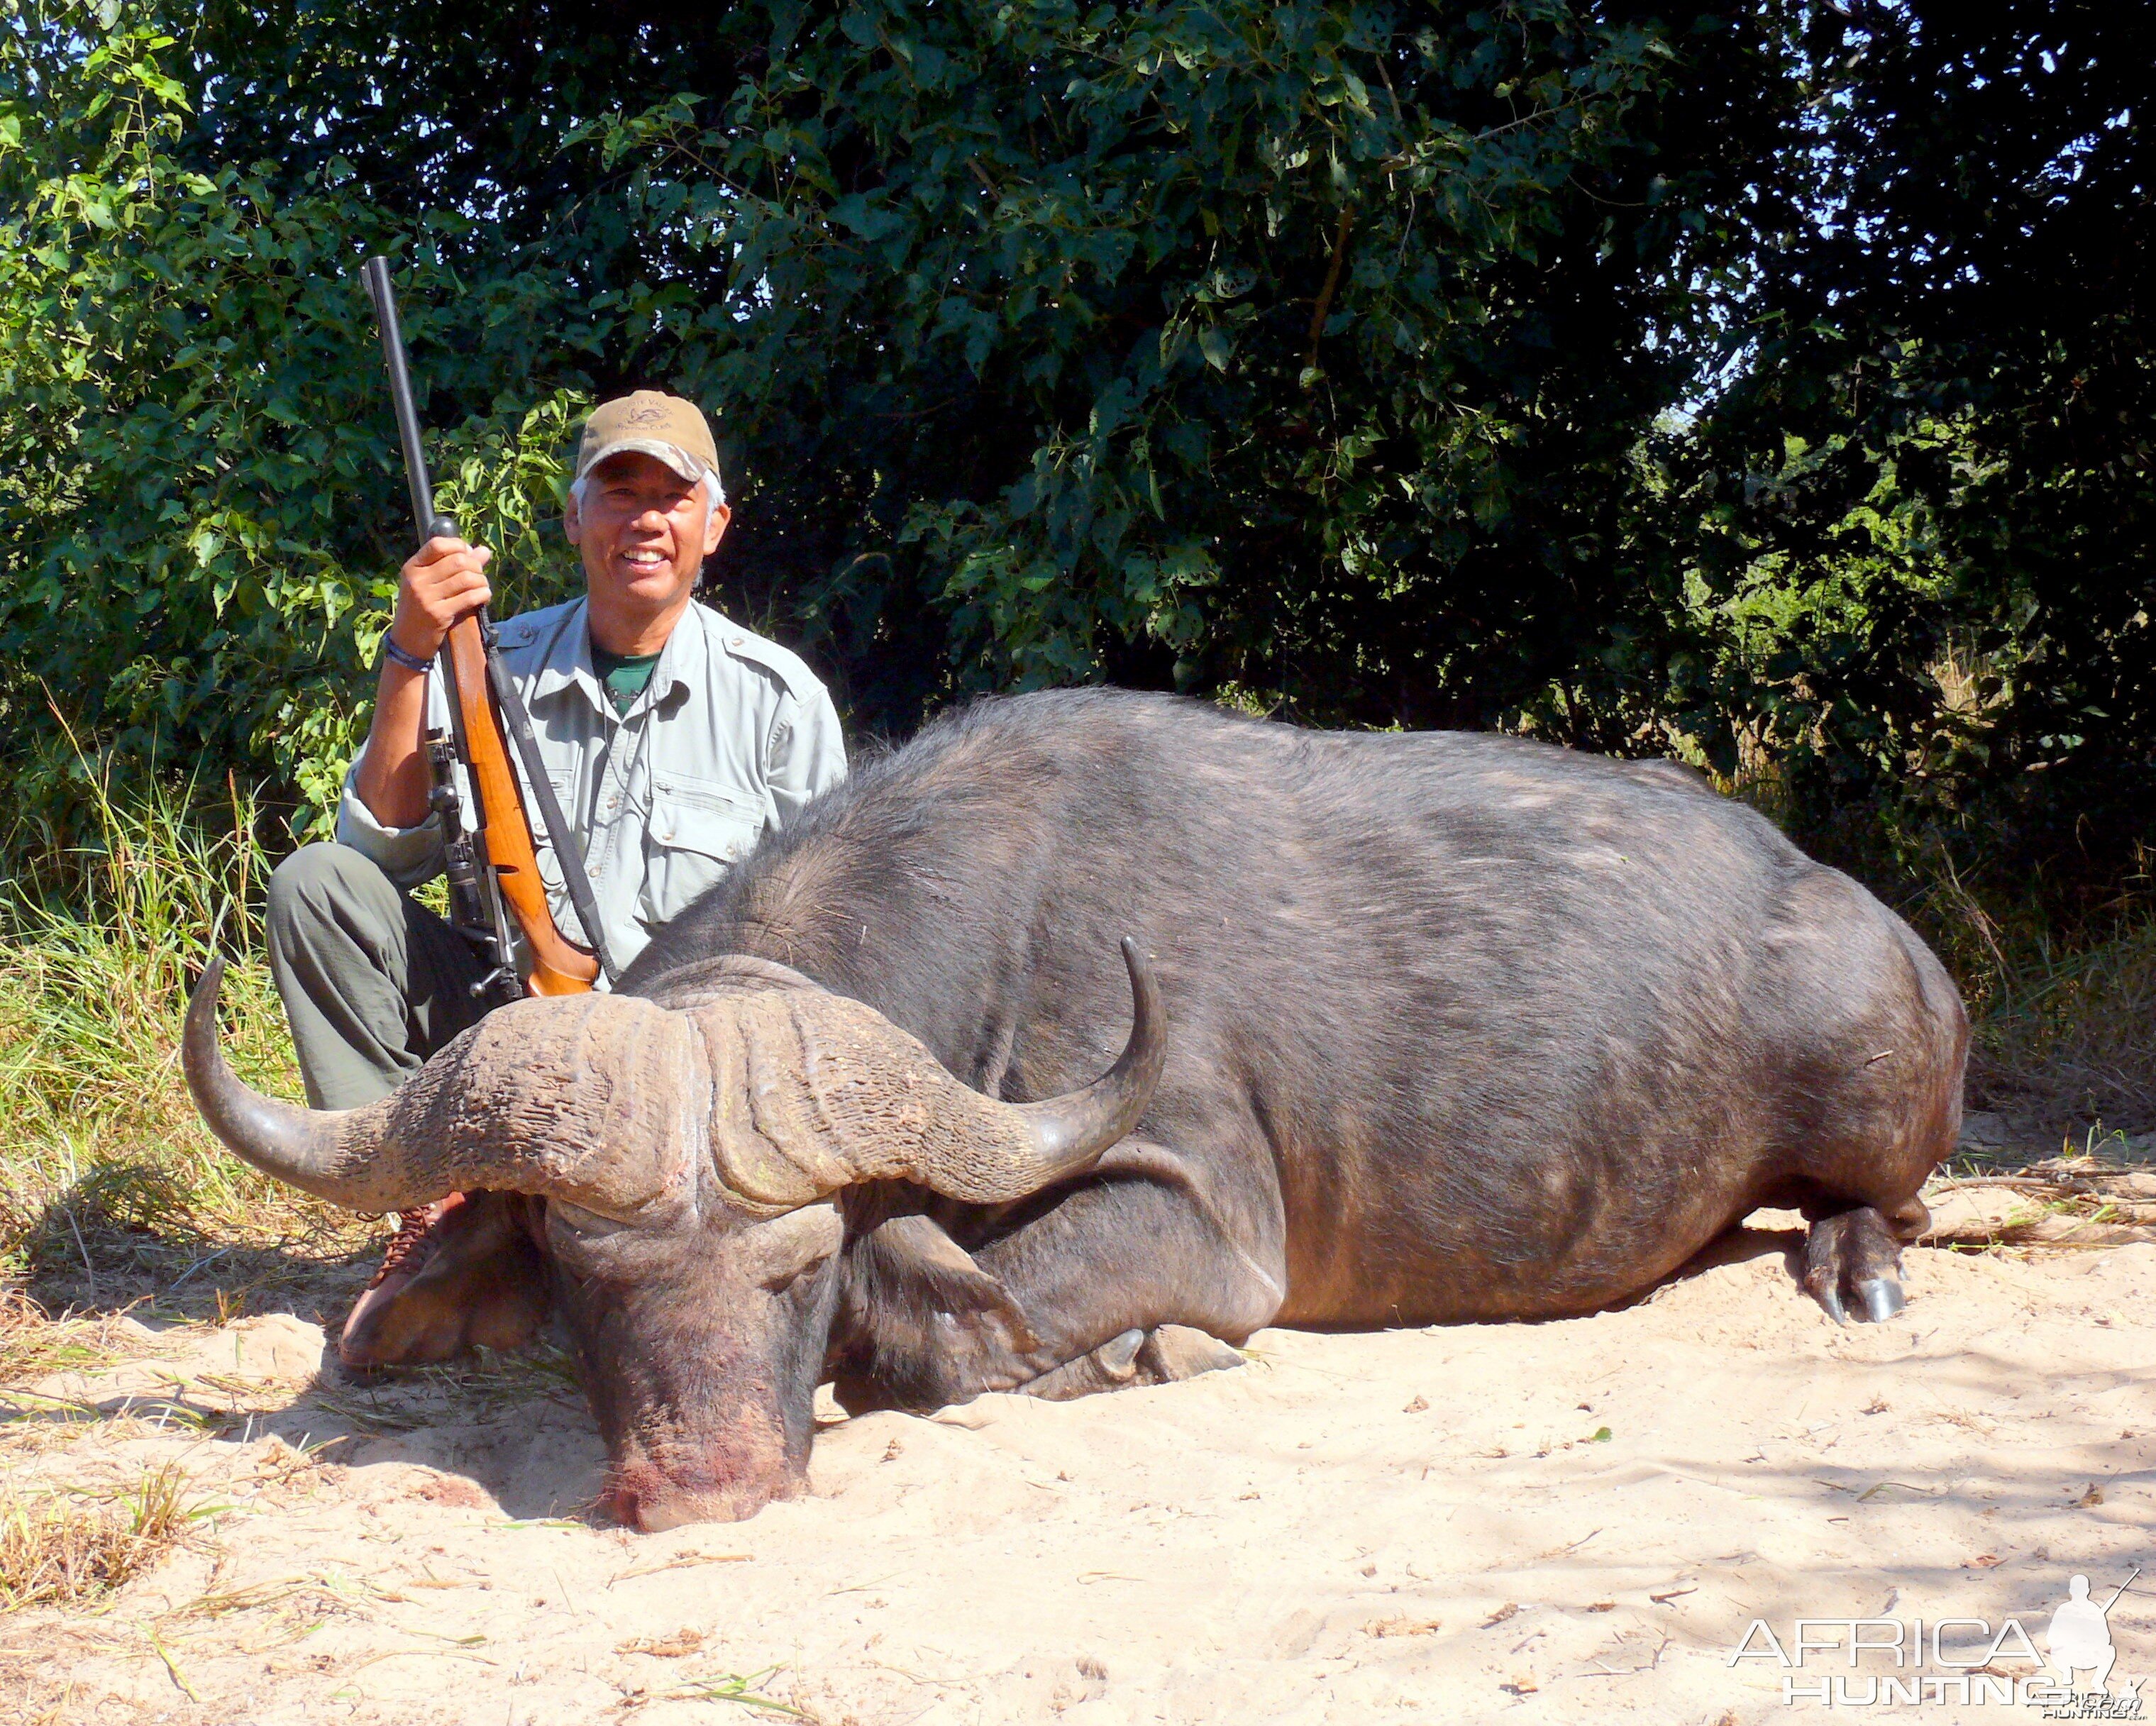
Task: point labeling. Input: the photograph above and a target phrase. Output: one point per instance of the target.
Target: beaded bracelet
(396, 655)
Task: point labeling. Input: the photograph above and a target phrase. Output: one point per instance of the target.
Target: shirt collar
(567, 664)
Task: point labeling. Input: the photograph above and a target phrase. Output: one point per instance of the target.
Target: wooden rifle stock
(558, 966)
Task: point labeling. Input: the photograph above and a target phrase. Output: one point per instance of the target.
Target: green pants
(372, 983)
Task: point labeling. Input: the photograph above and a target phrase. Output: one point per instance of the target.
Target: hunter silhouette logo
(2079, 1639)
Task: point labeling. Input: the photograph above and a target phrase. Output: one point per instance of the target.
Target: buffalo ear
(917, 1264)
(900, 1275)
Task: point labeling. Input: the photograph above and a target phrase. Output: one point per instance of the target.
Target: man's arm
(444, 581)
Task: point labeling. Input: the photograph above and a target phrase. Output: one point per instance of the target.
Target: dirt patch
(1563, 1521)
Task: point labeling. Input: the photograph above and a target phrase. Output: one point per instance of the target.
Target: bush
(1762, 386)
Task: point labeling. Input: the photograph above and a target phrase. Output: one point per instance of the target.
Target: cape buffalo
(1421, 1029)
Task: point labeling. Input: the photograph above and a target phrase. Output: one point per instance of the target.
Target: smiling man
(673, 738)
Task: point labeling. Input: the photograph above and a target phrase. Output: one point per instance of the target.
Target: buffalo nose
(619, 1503)
(654, 1510)
(657, 1515)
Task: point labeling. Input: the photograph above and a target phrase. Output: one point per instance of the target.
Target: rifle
(492, 864)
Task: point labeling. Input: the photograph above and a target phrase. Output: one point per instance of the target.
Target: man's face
(644, 532)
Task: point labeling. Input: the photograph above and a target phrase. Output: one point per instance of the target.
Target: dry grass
(2063, 1018)
(2062, 1002)
(67, 1548)
(32, 1343)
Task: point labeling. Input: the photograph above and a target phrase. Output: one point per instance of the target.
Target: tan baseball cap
(652, 424)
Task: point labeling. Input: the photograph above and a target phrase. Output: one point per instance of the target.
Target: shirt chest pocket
(564, 781)
(697, 832)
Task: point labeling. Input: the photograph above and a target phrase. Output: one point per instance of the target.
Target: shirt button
(737, 642)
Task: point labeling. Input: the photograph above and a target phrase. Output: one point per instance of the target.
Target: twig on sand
(736, 1689)
(684, 1563)
(427, 1653)
(729, 1688)
(864, 1587)
(1653, 1664)
(1873, 1492)
(343, 1591)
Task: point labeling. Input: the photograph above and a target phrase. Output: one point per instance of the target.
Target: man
(673, 739)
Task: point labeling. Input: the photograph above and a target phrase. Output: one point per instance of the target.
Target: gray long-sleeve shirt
(733, 735)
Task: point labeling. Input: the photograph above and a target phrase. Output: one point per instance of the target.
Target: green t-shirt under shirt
(625, 679)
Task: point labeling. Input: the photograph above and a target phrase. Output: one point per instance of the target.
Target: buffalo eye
(585, 1224)
(778, 1252)
(785, 1280)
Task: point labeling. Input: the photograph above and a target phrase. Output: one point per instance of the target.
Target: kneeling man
(672, 737)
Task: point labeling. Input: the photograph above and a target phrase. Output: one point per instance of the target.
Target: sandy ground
(1563, 1522)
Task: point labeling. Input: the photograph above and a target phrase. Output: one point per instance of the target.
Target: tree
(1941, 418)
(1292, 349)
(1762, 383)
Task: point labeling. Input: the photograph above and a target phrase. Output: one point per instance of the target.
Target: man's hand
(443, 582)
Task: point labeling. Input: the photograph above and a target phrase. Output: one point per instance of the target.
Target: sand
(1563, 1522)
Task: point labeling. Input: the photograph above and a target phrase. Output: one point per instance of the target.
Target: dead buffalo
(1427, 1028)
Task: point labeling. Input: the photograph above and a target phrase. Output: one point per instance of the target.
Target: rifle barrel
(429, 524)
(494, 695)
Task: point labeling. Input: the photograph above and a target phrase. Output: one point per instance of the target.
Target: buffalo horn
(1066, 1134)
(816, 1091)
(588, 1098)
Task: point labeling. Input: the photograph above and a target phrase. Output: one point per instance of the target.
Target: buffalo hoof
(1853, 1261)
(1175, 1351)
(1112, 1366)
(1882, 1297)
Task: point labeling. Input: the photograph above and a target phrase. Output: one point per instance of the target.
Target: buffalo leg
(1164, 1355)
(1094, 1270)
(1853, 1261)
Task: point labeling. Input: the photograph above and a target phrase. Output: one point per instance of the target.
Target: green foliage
(1940, 416)
(1756, 383)
(1289, 346)
(198, 482)
(1294, 347)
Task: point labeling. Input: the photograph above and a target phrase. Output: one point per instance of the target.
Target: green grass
(70, 1548)
(2072, 1029)
(111, 1193)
